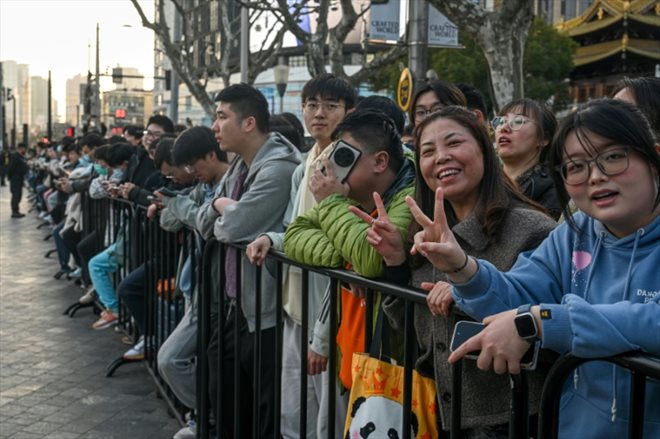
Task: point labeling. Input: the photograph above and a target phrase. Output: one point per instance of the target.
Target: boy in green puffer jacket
(329, 235)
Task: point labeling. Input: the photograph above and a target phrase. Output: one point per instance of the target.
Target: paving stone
(26, 435)
(42, 409)
(42, 428)
(52, 367)
(9, 428)
(26, 418)
(62, 435)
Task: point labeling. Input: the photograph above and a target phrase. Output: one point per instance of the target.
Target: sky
(60, 36)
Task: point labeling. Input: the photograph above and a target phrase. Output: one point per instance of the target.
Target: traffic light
(120, 113)
(71, 131)
(117, 75)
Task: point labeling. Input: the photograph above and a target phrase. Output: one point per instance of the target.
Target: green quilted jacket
(329, 235)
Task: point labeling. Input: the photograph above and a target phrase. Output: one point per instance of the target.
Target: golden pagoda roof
(596, 52)
(603, 13)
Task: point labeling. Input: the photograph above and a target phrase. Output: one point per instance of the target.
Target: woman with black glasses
(523, 131)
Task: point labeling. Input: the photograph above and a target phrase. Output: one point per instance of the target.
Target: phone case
(343, 157)
(463, 331)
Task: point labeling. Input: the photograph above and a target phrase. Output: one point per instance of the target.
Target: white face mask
(118, 172)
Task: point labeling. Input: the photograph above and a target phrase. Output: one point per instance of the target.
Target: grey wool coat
(486, 396)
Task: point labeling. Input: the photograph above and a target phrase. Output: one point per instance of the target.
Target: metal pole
(417, 54)
(174, 78)
(50, 111)
(2, 111)
(96, 109)
(13, 121)
(245, 43)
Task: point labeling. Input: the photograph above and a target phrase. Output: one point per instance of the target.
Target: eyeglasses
(152, 133)
(515, 124)
(610, 162)
(421, 112)
(189, 169)
(328, 107)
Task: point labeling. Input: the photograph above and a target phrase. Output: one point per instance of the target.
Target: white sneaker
(88, 297)
(136, 352)
(188, 432)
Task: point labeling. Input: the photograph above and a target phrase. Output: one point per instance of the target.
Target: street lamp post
(12, 97)
(281, 73)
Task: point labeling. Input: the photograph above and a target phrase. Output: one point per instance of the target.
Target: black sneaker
(17, 215)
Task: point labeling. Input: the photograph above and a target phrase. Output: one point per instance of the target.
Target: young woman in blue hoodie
(592, 286)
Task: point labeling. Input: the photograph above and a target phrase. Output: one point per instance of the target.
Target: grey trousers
(317, 392)
(177, 360)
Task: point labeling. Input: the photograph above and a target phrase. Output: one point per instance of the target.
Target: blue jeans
(101, 268)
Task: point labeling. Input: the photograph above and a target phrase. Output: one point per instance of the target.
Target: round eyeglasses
(421, 112)
(328, 107)
(515, 124)
(610, 162)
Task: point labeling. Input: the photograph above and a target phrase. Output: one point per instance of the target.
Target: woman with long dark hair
(493, 221)
(591, 288)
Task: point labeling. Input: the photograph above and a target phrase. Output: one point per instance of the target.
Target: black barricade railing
(160, 251)
(145, 245)
(214, 261)
(165, 305)
(642, 367)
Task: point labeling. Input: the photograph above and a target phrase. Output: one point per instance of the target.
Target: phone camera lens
(344, 157)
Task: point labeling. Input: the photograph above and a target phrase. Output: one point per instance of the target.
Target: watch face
(525, 325)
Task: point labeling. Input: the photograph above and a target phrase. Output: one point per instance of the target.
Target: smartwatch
(526, 324)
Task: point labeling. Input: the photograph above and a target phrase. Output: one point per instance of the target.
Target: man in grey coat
(251, 199)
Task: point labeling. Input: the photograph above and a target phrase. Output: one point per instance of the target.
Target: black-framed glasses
(514, 124)
(152, 133)
(610, 162)
(421, 112)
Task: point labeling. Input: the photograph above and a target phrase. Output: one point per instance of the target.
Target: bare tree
(182, 57)
(501, 34)
(325, 45)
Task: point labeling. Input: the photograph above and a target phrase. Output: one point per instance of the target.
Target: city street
(52, 367)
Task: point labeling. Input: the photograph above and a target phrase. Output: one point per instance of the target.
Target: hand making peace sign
(437, 243)
(383, 235)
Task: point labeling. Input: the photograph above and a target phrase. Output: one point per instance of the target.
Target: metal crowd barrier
(145, 243)
(162, 252)
(641, 367)
(519, 413)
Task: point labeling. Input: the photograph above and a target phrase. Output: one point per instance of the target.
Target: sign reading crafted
(385, 25)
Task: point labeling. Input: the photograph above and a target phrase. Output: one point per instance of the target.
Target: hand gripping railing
(214, 260)
(641, 367)
(214, 249)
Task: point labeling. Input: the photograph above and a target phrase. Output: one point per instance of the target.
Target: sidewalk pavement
(52, 367)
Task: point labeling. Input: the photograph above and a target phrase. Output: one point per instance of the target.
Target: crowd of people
(546, 231)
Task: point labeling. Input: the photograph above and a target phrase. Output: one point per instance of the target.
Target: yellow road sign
(405, 89)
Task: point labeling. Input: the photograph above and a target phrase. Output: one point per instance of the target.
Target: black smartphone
(167, 192)
(464, 330)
